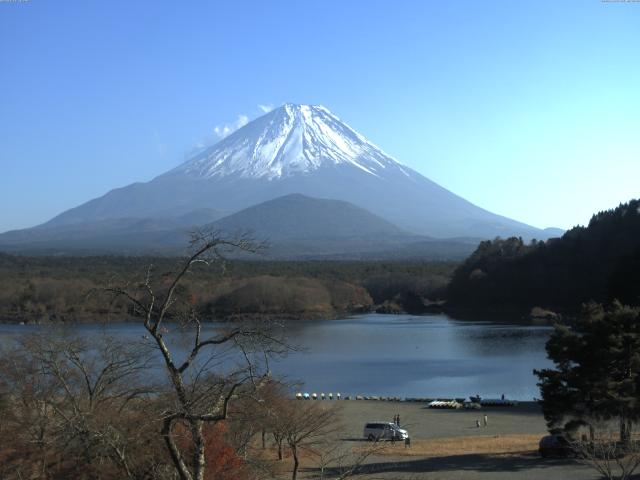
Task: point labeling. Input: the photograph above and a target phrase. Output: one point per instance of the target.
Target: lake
(395, 355)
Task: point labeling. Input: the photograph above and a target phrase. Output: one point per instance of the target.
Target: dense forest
(600, 262)
(37, 289)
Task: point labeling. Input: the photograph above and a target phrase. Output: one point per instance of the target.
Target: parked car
(384, 431)
(556, 445)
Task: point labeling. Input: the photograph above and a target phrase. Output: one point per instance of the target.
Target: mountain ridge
(293, 226)
(296, 149)
(297, 216)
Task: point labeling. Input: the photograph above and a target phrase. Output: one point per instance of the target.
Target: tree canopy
(600, 262)
(597, 370)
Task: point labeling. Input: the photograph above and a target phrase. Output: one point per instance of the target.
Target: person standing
(486, 420)
(477, 423)
(398, 419)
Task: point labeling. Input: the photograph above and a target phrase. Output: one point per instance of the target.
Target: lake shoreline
(87, 319)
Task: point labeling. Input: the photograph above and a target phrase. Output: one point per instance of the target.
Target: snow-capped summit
(294, 149)
(291, 139)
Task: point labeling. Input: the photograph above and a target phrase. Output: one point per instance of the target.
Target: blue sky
(528, 109)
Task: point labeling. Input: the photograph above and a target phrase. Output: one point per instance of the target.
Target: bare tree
(74, 406)
(612, 457)
(27, 426)
(306, 425)
(271, 409)
(250, 427)
(202, 384)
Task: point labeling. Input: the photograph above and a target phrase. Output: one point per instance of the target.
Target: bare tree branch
(197, 394)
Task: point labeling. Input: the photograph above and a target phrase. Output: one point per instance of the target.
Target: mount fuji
(294, 149)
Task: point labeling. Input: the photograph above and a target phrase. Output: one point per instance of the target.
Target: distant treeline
(35, 289)
(600, 262)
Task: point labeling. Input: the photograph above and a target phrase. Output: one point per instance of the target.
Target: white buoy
(314, 396)
(298, 396)
(338, 396)
(330, 396)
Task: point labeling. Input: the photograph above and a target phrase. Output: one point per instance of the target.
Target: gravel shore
(425, 423)
(447, 444)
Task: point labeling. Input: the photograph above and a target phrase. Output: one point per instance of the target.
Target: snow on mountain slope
(298, 149)
(292, 139)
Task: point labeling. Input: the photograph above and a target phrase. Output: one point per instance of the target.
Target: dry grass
(444, 447)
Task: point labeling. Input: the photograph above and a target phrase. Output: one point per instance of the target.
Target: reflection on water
(425, 356)
(396, 355)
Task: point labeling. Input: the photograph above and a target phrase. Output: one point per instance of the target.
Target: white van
(384, 431)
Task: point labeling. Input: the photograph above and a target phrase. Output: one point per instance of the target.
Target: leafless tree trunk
(201, 389)
(279, 439)
(305, 425)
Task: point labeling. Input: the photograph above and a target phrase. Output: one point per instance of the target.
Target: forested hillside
(37, 289)
(600, 262)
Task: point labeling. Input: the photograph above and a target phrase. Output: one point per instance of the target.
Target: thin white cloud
(265, 108)
(222, 131)
(216, 134)
(242, 121)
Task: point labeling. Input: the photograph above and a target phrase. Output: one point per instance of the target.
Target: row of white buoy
(431, 403)
(337, 396)
(315, 396)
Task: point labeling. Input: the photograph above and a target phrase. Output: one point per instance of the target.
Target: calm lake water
(395, 355)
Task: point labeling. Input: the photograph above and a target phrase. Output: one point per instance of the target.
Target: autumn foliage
(222, 459)
(223, 463)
